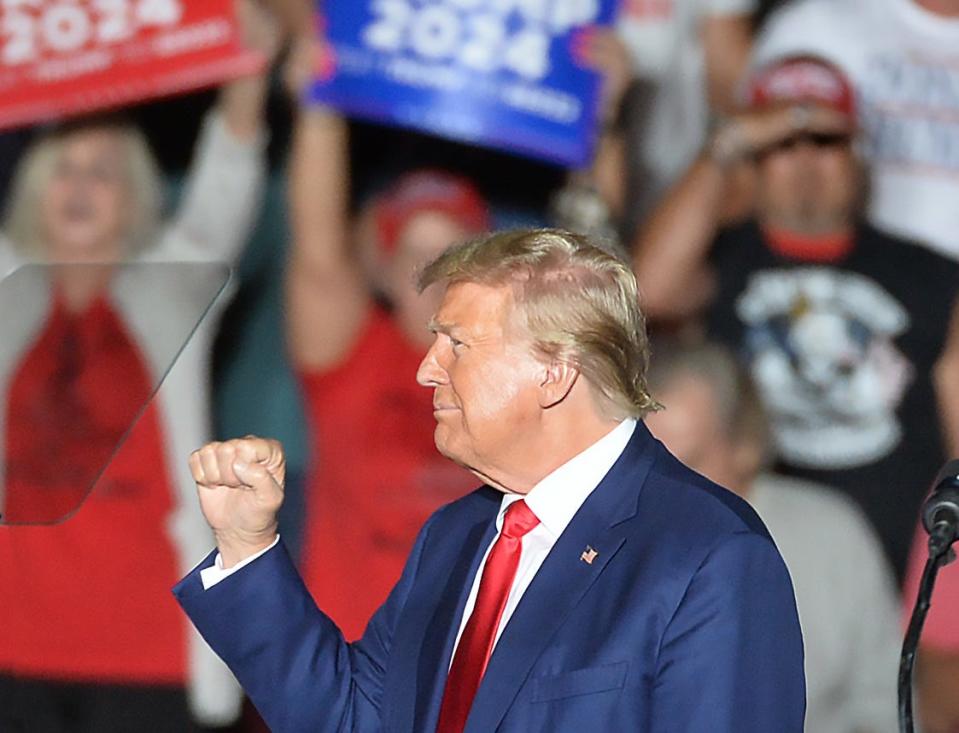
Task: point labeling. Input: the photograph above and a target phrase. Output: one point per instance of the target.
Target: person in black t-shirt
(849, 332)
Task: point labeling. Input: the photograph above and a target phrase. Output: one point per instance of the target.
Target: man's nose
(430, 373)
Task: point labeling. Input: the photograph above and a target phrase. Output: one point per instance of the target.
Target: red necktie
(476, 642)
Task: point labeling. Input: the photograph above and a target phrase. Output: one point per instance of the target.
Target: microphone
(940, 517)
(940, 514)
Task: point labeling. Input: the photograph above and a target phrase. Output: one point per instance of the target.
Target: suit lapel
(432, 615)
(562, 581)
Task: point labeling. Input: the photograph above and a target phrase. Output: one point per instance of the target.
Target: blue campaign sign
(492, 72)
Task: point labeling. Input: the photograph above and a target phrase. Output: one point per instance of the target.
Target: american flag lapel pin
(589, 554)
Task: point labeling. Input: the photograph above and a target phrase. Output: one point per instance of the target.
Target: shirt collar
(558, 497)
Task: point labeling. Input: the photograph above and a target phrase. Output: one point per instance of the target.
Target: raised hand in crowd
(594, 197)
(326, 294)
(748, 133)
(802, 288)
(242, 101)
(90, 191)
(222, 190)
(602, 50)
(671, 251)
(356, 360)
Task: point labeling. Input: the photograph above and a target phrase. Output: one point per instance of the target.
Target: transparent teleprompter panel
(83, 350)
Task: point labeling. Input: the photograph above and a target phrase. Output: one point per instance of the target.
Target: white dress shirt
(554, 501)
(216, 572)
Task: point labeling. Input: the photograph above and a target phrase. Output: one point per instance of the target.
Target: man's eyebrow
(452, 330)
(435, 326)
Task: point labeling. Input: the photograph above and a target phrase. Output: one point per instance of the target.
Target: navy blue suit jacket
(685, 621)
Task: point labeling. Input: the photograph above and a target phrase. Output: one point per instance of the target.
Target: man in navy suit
(593, 583)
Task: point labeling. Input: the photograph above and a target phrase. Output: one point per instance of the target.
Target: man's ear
(558, 380)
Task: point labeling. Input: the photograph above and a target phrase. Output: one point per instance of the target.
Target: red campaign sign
(66, 57)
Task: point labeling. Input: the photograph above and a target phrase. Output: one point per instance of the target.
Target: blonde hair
(24, 215)
(579, 299)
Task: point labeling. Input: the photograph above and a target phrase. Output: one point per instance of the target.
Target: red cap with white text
(802, 79)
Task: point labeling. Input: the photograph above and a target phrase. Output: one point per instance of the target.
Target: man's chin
(459, 460)
(441, 439)
(444, 448)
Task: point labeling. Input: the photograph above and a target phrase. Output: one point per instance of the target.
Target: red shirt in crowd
(378, 474)
(87, 599)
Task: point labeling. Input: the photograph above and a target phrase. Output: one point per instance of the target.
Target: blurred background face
(425, 236)
(691, 428)
(86, 206)
(810, 185)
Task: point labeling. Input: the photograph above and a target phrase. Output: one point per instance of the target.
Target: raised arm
(601, 50)
(289, 656)
(326, 295)
(671, 252)
(294, 15)
(222, 192)
(727, 42)
(242, 101)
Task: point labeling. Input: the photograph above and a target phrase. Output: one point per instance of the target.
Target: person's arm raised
(242, 101)
(240, 487)
(326, 295)
(670, 252)
(294, 15)
(222, 191)
(601, 50)
(727, 41)
(263, 623)
(672, 249)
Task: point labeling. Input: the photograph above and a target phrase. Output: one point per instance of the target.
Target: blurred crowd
(784, 178)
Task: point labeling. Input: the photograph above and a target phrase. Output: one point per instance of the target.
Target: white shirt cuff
(216, 572)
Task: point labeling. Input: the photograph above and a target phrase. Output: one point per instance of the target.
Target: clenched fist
(240, 484)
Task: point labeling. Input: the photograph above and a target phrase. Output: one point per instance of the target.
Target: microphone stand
(940, 539)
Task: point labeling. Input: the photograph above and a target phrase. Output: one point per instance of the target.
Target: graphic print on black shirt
(842, 353)
(821, 346)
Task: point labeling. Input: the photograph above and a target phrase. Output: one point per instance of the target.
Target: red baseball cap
(429, 190)
(802, 79)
